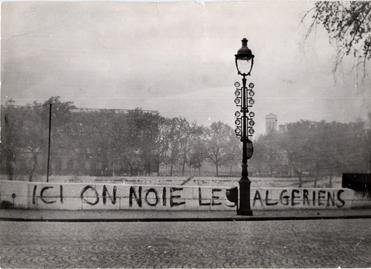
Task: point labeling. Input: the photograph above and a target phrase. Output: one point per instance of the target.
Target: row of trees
(308, 148)
(109, 142)
(137, 142)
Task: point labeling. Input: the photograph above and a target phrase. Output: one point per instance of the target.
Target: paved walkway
(135, 215)
(222, 244)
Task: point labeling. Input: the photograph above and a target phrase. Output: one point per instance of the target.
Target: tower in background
(270, 123)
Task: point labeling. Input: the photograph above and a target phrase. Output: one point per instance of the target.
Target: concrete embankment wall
(256, 182)
(84, 196)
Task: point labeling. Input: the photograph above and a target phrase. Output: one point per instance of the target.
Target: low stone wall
(77, 196)
(87, 196)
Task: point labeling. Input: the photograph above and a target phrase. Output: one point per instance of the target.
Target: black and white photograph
(185, 134)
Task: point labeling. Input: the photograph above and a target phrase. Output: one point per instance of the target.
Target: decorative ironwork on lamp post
(244, 60)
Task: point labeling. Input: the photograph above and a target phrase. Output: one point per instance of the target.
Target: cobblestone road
(314, 243)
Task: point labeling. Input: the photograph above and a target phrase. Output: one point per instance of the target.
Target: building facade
(270, 123)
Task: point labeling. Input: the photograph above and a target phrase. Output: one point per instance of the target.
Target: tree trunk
(316, 177)
(217, 168)
(300, 179)
(147, 168)
(113, 168)
(131, 169)
(183, 165)
(158, 166)
(34, 165)
(171, 169)
(10, 164)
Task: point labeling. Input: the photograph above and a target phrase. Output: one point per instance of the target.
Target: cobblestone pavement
(310, 243)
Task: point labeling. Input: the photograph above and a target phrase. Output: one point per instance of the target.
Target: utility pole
(49, 140)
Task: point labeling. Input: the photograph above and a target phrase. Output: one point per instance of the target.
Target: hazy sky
(177, 58)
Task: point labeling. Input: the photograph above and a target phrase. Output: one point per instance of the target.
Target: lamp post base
(244, 198)
(241, 212)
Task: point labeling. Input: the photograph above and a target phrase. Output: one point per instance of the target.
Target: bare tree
(218, 144)
(348, 24)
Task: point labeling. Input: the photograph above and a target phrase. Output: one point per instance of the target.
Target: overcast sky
(176, 58)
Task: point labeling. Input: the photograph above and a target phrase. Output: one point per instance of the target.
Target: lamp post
(244, 60)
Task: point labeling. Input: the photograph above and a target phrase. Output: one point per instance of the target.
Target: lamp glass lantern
(244, 59)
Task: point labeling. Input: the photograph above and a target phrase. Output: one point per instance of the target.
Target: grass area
(322, 182)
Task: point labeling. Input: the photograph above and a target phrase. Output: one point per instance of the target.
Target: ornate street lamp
(244, 122)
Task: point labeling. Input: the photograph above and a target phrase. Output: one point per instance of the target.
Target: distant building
(270, 123)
